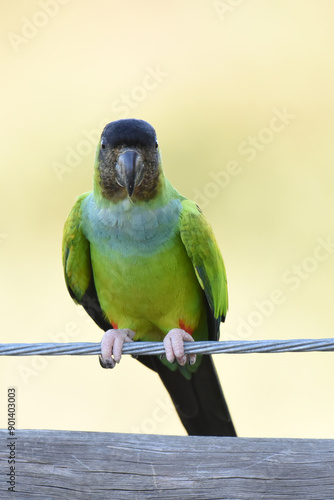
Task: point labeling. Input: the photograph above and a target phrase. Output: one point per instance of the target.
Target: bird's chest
(143, 276)
(138, 277)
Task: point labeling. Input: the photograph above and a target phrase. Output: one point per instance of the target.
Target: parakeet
(144, 263)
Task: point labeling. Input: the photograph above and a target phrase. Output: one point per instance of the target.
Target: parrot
(143, 261)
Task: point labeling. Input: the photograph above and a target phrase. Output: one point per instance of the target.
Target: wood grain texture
(91, 465)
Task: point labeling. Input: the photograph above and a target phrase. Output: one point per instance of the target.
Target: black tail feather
(200, 401)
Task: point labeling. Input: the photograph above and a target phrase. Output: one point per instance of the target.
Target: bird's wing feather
(76, 253)
(201, 246)
(77, 265)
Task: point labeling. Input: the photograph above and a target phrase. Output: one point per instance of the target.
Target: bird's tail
(199, 401)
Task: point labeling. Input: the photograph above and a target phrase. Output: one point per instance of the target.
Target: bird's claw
(110, 363)
(111, 346)
(174, 347)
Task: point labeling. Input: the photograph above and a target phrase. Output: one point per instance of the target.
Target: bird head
(128, 162)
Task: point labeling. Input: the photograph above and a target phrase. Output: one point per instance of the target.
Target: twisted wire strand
(157, 348)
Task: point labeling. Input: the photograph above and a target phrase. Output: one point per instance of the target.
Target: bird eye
(156, 144)
(103, 146)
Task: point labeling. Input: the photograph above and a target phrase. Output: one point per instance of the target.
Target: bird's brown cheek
(148, 187)
(109, 187)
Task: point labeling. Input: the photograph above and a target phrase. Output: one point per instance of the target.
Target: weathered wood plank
(90, 465)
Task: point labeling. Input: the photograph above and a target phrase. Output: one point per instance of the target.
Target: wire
(157, 348)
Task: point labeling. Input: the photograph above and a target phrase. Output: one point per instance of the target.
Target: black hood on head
(129, 132)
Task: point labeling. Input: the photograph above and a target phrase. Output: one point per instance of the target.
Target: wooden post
(93, 465)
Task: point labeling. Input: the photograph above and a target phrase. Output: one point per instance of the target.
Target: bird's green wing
(76, 253)
(201, 246)
(77, 265)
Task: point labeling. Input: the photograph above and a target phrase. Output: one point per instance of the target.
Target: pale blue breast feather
(129, 228)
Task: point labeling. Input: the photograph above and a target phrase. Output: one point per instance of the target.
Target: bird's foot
(112, 344)
(173, 343)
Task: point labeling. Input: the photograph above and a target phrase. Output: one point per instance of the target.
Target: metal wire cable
(157, 348)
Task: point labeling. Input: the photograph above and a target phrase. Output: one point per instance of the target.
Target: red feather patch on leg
(185, 327)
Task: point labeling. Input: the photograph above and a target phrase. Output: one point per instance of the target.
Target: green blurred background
(241, 96)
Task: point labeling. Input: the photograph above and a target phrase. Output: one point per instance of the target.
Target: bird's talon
(112, 345)
(174, 347)
(108, 363)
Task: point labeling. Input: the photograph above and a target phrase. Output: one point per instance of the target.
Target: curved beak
(129, 170)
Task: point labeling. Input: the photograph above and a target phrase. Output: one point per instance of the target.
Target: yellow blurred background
(241, 96)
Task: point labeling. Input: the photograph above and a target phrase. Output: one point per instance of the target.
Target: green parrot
(144, 263)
